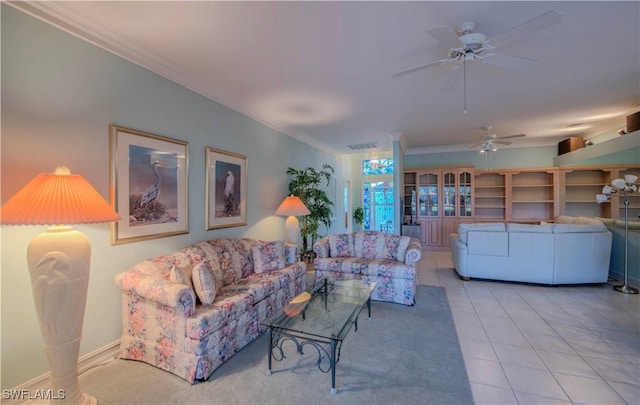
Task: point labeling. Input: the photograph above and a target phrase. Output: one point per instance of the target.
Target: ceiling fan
(466, 46)
(489, 141)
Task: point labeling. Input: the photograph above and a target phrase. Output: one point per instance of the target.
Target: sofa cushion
(466, 227)
(489, 244)
(230, 303)
(395, 247)
(353, 265)
(530, 228)
(204, 283)
(564, 219)
(573, 228)
(268, 256)
(290, 253)
(585, 221)
(341, 245)
(234, 257)
(389, 268)
(235, 299)
(369, 244)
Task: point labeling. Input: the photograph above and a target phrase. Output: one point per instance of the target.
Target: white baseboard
(98, 357)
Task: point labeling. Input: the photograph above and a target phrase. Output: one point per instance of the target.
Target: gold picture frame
(226, 190)
(148, 185)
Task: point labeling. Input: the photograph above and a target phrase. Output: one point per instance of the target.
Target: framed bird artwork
(149, 184)
(226, 179)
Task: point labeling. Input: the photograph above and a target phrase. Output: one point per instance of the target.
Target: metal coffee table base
(277, 338)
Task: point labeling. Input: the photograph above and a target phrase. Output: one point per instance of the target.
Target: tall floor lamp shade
(58, 261)
(625, 186)
(292, 207)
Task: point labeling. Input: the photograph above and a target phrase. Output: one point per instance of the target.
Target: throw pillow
(564, 219)
(204, 283)
(341, 245)
(369, 244)
(268, 256)
(395, 247)
(182, 275)
(464, 228)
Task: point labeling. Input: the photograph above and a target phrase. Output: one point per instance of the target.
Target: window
(377, 166)
(378, 206)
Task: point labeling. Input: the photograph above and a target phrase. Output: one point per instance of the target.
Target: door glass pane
(449, 194)
(379, 206)
(464, 193)
(428, 195)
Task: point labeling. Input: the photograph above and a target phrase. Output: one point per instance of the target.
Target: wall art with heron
(148, 185)
(226, 189)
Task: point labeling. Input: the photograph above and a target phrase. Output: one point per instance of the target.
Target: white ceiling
(322, 71)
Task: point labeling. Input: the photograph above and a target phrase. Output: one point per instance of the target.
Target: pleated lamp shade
(58, 198)
(293, 206)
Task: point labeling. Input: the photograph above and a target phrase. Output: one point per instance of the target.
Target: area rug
(402, 355)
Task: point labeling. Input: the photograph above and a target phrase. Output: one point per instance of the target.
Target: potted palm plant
(358, 217)
(305, 184)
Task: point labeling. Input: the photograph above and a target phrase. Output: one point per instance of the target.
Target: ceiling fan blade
(512, 136)
(452, 79)
(508, 61)
(543, 21)
(502, 142)
(476, 145)
(446, 35)
(425, 66)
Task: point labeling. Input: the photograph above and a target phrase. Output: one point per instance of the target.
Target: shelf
(592, 201)
(527, 195)
(532, 220)
(532, 201)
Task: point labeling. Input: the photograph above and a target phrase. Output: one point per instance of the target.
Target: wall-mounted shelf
(519, 195)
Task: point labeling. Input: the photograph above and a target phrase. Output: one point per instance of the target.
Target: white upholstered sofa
(572, 250)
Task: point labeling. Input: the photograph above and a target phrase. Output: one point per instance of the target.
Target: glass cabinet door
(464, 194)
(449, 194)
(428, 204)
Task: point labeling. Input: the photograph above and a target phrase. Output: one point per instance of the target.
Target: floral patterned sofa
(389, 260)
(189, 311)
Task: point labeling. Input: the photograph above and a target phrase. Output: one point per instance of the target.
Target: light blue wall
(620, 150)
(503, 159)
(59, 95)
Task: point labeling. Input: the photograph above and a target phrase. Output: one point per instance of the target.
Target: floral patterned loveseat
(189, 311)
(389, 260)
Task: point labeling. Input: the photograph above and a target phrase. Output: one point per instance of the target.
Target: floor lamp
(625, 186)
(58, 261)
(292, 207)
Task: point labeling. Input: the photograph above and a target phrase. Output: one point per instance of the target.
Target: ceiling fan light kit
(488, 141)
(465, 45)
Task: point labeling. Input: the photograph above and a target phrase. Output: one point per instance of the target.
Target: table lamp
(625, 186)
(291, 207)
(58, 261)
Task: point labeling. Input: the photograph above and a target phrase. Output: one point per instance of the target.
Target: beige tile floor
(526, 344)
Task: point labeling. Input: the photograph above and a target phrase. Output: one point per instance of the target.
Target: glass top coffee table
(322, 315)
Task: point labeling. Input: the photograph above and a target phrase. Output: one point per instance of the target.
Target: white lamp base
(58, 262)
(292, 230)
